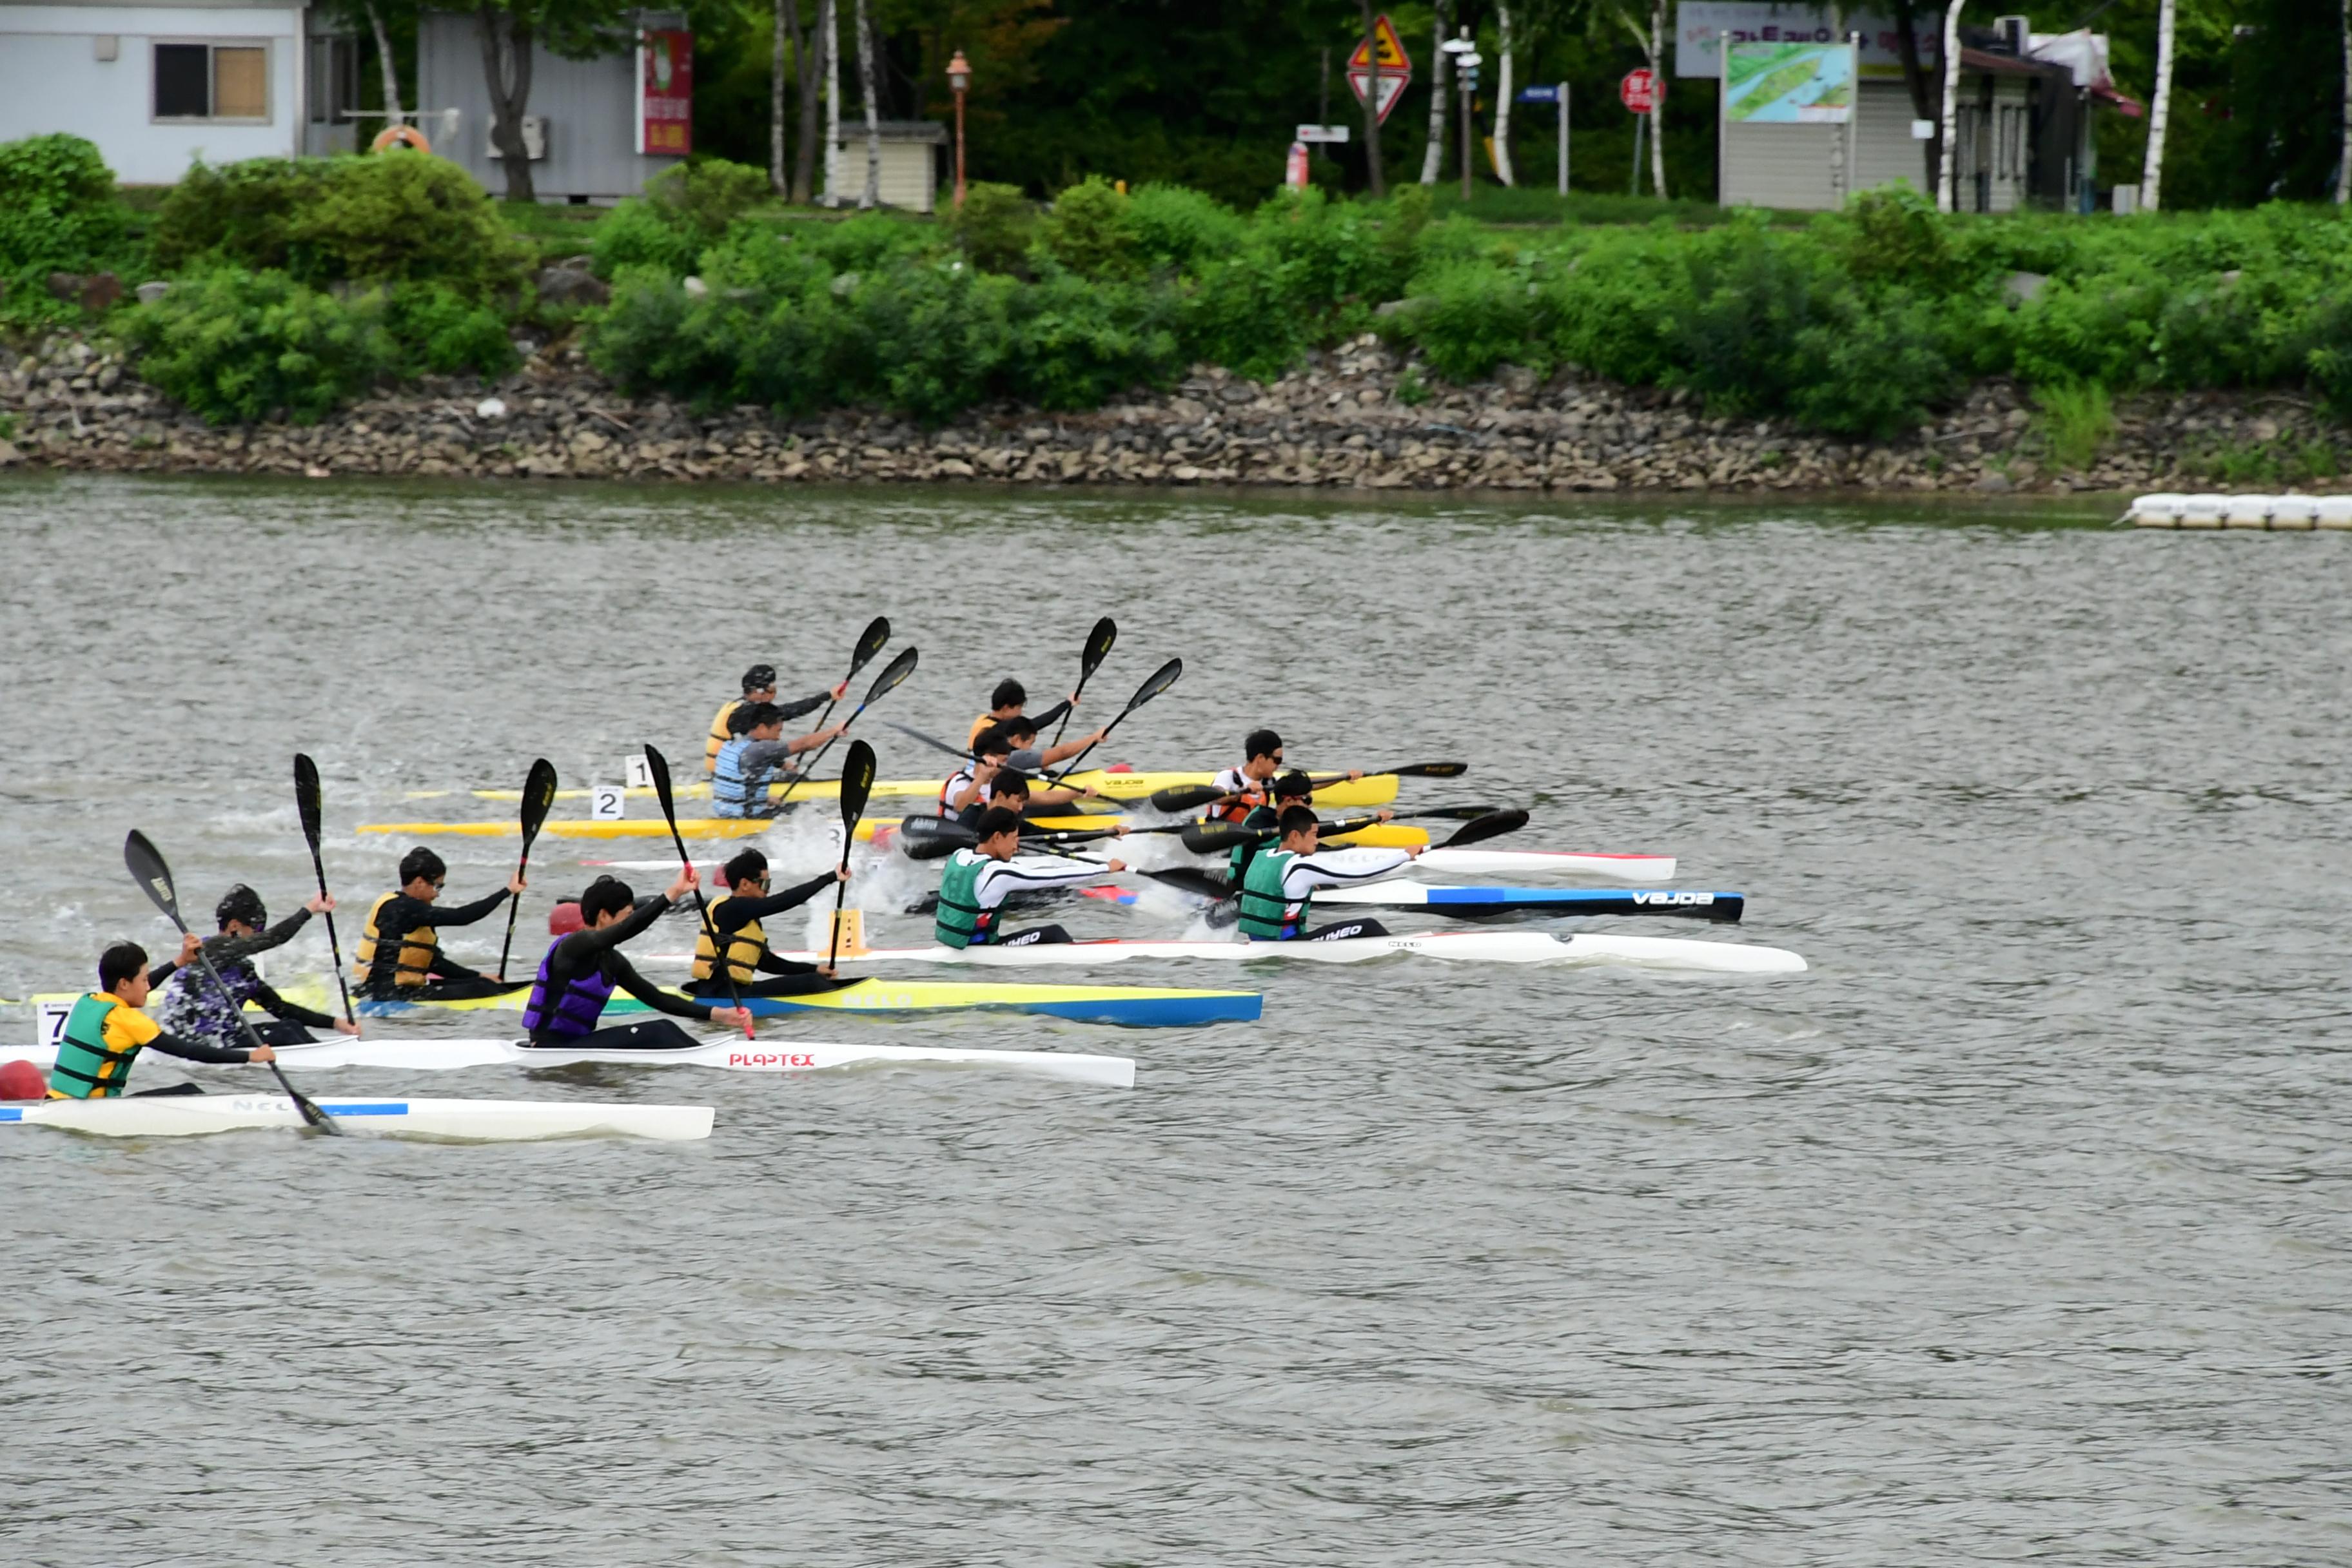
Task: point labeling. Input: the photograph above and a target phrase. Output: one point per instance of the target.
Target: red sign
(666, 93)
(1382, 85)
(1639, 91)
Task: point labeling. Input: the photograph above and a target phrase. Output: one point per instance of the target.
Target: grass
(2286, 460)
(2076, 421)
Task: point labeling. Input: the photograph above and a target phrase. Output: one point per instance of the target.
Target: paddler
(106, 1031)
(582, 969)
(400, 957)
(757, 756)
(194, 1008)
(1011, 793)
(976, 881)
(1246, 787)
(1007, 701)
(1004, 751)
(1280, 883)
(1293, 788)
(736, 916)
(758, 685)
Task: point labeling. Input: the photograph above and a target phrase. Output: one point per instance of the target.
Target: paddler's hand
(1413, 851)
(262, 1054)
(733, 1017)
(841, 691)
(1118, 830)
(347, 1026)
(190, 945)
(841, 873)
(828, 971)
(1385, 814)
(320, 904)
(684, 882)
(515, 884)
(1117, 866)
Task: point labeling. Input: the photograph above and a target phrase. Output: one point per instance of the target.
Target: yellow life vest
(745, 948)
(978, 726)
(419, 950)
(719, 736)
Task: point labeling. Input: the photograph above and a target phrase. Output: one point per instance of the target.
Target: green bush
(706, 194)
(234, 345)
(637, 235)
(58, 209)
(995, 226)
(1181, 230)
(242, 214)
(1087, 231)
(441, 333)
(1470, 317)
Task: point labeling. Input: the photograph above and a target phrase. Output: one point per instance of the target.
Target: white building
(155, 86)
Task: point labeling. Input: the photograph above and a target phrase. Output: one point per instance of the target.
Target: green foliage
(1470, 317)
(1896, 236)
(1089, 232)
(705, 196)
(234, 345)
(638, 236)
(1181, 230)
(995, 226)
(441, 333)
(57, 210)
(397, 217)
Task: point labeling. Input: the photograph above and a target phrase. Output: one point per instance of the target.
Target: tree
(871, 194)
(2344, 169)
(1372, 104)
(2151, 179)
(574, 29)
(1503, 95)
(787, 26)
(1433, 150)
(1946, 155)
(1651, 42)
(1927, 92)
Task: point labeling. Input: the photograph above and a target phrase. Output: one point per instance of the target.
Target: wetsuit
(401, 958)
(737, 918)
(581, 971)
(103, 1037)
(720, 732)
(194, 1008)
(1280, 885)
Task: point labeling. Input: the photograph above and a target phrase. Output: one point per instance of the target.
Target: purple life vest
(574, 1013)
(193, 1007)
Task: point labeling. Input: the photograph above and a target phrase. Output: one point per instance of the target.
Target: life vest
(420, 950)
(574, 1013)
(719, 735)
(194, 1008)
(979, 797)
(1236, 810)
(733, 791)
(745, 947)
(87, 1066)
(1266, 913)
(960, 921)
(1248, 849)
(979, 728)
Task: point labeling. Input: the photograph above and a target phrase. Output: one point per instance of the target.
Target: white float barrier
(2291, 512)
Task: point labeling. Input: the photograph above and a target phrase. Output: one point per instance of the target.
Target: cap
(759, 677)
(241, 904)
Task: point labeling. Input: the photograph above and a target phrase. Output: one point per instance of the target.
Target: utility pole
(1466, 67)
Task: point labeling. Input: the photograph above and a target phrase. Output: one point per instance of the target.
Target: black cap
(241, 904)
(759, 677)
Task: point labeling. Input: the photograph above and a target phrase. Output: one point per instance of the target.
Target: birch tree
(2159, 109)
(871, 194)
(391, 115)
(2344, 169)
(1432, 152)
(1503, 96)
(832, 29)
(1652, 41)
(787, 26)
(1947, 172)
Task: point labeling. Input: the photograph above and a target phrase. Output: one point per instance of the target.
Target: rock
(2023, 288)
(94, 291)
(569, 285)
(9, 456)
(1992, 484)
(151, 292)
(491, 408)
(695, 288)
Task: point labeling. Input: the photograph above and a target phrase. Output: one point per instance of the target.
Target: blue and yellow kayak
(1136, 1006)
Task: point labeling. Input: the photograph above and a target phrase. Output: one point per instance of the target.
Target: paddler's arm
(1014, 876)
(234, 949)
(463, 915)
(179, 1046)
(623, 973)
(164, 971)
(277, 1006)
(1338, 868)
(738, 912)
(800, 705)
(1050, 717)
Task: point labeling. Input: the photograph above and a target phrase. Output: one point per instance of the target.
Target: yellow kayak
(645, 827)
(1382, 834)
(1377, 789)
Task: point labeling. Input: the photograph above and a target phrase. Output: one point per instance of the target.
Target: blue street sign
(1539, 95)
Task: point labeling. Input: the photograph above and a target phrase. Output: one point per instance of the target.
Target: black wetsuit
(787, 977)
(587, 951)
(452, 981)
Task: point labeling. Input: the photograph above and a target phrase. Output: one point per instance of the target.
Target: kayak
(882, 833)
(1137, 1006)
(735, 1055)
(1460, 946)
(687, 827)
(473, 1121)
(1482, 862)
(1374, 789)
(1469, 903)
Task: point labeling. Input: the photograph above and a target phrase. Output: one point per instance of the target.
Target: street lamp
(1466, 60)
(959, 80)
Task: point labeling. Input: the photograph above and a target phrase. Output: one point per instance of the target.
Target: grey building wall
(590, 107)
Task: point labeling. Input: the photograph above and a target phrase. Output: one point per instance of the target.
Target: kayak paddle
(537, 795)
(894, 672)
(658, 765)
(936, 838)
(1097, 648)
(147, 869)
(871, 641)
(1161, 679)
(1479, 829)
(306, 802)
(856, 783)
(1192, 797)
(1216, 838)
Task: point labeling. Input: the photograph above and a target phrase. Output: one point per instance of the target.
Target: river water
(2016, 1228)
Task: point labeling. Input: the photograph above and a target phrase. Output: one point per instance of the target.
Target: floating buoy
(2292, 513)
(21, 1080)
(400, 136)
(564, 918)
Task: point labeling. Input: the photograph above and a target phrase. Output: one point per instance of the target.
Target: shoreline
(1359, 419)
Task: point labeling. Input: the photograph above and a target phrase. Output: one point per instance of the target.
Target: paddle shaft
(1089, 660)
(661, 764)
(514, 905)
(334, 945)
(310, 1110)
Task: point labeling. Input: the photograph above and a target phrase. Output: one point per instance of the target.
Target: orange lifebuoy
(400, 136)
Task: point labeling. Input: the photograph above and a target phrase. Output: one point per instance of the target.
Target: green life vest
(86, 1066)
(1266, 914)
(960, 920)
(1247, 851)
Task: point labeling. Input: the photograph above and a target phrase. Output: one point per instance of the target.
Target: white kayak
(738, 1056)
(1537, 862)
(1461, 946)
(480, 1120)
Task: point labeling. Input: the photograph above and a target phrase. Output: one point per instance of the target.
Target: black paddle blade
(897, 670)
(1456, 813)
(932, 741)
(658, 766)
(1161, 679)
(871, 641)
(1185, 797)
(1216, 838)
(1493, 825)
(306, 798)
(1100, 643)
(1428, 771)
(933, 837)
(856, 784)
(153, 877)
(538, 799)
(1192, 879)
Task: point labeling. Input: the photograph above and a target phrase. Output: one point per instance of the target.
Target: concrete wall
(590, 107)
(52, 79)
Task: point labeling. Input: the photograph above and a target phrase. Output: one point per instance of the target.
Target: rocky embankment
(1362, 416)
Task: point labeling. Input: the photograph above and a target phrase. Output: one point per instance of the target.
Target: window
(212, 82)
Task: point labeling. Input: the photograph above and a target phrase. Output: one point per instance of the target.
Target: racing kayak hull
(1376, 789)
(1459, 946)
(1472, 903)
(470, 1121)
(1482, 862)
(1134, 1007)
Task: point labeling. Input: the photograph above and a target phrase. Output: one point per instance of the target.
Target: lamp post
(959, 80)
(1466, 60)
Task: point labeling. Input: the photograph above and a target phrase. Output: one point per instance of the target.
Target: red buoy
(564, 918)
(21, 1080)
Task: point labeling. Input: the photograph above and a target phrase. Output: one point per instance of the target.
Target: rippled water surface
(2016, 1228)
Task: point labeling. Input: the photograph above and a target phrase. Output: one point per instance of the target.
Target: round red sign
(1638, 90)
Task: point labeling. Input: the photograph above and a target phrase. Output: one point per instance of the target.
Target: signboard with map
(1789, 84)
